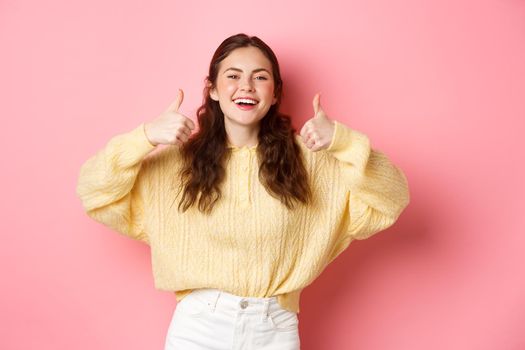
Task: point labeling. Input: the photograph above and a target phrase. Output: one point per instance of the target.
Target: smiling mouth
(242, 101)
(245, 106)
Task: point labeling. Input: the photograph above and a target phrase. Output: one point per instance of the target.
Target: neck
(242, 135)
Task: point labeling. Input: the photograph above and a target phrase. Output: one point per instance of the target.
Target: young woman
(242, 214)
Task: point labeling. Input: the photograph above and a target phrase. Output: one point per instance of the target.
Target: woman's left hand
(317, 133)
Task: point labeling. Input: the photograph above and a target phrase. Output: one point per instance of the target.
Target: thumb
(317, 103)
(175, 105)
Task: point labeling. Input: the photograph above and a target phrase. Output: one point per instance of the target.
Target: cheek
(269, 90)
(228, 87)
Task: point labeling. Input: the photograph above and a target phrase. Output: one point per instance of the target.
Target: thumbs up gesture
(317, 133)
(170, 127)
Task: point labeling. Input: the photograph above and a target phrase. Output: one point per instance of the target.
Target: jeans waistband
(218, 299)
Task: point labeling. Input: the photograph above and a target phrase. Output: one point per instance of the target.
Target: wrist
(145, 128)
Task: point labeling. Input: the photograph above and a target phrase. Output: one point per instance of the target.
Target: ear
(213, 93)
(274, 101)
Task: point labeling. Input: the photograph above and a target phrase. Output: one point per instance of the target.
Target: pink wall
(438, 85)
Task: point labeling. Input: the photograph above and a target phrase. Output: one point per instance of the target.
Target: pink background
(437, 85)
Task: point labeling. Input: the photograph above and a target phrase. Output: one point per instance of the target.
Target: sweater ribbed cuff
(345, 139)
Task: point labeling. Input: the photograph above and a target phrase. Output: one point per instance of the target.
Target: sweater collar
(237, 148)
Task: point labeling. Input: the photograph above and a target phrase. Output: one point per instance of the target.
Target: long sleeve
(113, 183)
(378, 190)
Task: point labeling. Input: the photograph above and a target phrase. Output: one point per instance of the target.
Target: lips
(245, 98)
(245, 107)
(245, 103)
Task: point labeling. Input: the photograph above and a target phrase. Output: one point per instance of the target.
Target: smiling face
(244, 87)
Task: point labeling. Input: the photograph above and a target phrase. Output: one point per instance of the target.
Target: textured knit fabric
(251, 244)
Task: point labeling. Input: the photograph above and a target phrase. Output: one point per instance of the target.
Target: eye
(262, 78)
(233, 75)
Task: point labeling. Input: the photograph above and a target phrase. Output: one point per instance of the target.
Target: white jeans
(215, 320)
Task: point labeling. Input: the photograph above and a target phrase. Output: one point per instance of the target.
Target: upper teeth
(245, 100)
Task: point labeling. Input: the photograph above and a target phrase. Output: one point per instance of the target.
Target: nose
(246, 84)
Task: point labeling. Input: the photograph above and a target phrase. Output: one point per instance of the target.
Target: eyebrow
(254, 71)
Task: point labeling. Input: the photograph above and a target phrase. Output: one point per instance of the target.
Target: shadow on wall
(411, 241)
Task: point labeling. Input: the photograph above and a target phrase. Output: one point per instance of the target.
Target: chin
(252, 120)
(244, 122)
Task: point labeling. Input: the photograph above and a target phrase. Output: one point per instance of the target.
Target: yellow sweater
(251, 244)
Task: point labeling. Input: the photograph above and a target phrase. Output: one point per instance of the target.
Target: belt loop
(213, 302)
(266, 310)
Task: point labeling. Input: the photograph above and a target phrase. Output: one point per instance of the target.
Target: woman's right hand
(170, 127)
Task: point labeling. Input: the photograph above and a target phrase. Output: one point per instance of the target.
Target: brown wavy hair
(281, 165)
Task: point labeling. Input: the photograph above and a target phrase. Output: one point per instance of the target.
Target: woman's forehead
(246, 59)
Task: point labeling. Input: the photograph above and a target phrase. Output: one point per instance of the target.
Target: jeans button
(244, 304)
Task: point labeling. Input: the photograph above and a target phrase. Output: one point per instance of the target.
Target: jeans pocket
(193, 307)
(283, 320)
